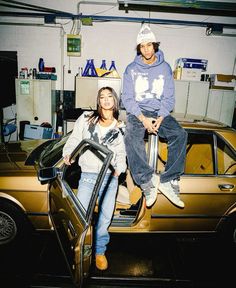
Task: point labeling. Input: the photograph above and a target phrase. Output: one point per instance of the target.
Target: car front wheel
(13, 223)
(8, 228)
(15, 244)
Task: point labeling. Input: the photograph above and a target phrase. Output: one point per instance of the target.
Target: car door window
(199, 154)
(72, 175)
(226, 158)
(53, 152)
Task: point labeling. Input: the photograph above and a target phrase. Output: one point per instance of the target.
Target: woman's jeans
(176, 138)
(106, 205)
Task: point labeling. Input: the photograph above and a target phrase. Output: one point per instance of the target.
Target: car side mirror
(45, 175)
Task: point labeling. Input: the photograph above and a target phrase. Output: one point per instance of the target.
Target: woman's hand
(116, 174)
(67, 160)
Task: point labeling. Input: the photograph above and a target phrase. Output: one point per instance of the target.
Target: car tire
(228, 233)
(14, 226)
(15, 241)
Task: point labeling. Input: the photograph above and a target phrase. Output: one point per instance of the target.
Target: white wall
(112, 40)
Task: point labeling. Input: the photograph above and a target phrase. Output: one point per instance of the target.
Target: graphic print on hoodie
(142, 89)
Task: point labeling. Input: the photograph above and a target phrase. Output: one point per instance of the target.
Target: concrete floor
(134, 261)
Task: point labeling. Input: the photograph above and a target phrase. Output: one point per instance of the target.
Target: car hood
(14, 154)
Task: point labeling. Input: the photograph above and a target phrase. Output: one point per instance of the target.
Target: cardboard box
(37, 132)
(190, 74)
(222, 81)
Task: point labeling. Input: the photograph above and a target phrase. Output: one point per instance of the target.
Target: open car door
(70, 220)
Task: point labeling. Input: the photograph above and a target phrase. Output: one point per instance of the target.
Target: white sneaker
(155, 180)
(151, 196)
(170, 189)
(151, 193)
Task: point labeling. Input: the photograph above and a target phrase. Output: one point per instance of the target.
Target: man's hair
(155, 46)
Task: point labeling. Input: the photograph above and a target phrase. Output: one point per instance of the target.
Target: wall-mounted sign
(25, 87)
(73, 45)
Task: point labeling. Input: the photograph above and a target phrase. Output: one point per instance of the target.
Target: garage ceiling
(204, 7)
(225, 10)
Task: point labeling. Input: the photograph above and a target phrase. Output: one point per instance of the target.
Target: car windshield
(53, 153)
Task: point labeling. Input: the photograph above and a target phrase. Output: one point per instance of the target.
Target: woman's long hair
(97, 115)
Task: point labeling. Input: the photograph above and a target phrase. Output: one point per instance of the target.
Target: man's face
(147, 50)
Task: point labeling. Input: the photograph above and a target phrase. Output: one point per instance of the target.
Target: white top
(110, 136)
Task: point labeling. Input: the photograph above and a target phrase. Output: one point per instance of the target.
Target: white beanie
(145, 35)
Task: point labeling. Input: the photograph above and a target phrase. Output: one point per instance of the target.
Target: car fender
(12, 199)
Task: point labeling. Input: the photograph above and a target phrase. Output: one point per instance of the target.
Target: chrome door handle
(225, 187)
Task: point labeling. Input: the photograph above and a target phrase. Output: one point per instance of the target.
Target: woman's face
(106, 100)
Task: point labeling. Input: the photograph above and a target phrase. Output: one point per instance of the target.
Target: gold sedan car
(38, 192)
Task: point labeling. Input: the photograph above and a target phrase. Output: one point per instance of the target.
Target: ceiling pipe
(155, 21)
(116, 19)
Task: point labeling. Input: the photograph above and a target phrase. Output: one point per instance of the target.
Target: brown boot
(101, 262)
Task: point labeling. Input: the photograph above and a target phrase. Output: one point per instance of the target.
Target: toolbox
(192, 63)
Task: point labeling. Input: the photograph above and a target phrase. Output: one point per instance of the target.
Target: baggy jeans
(176, 138)
(106, 205)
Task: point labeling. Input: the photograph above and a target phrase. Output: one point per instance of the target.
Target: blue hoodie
(148, 87)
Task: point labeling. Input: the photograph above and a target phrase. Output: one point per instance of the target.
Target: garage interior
(105, 32)
(45, 48)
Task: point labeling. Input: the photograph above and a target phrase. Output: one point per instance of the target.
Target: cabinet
(86, 89)
(181, 97)
(35, 101)
(191, 99)
(221, 104)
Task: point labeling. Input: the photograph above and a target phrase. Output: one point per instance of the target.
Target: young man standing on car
(148, 97)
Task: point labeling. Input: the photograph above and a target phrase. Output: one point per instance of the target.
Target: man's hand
(148, 124)
(157, 123)
(151, 124)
